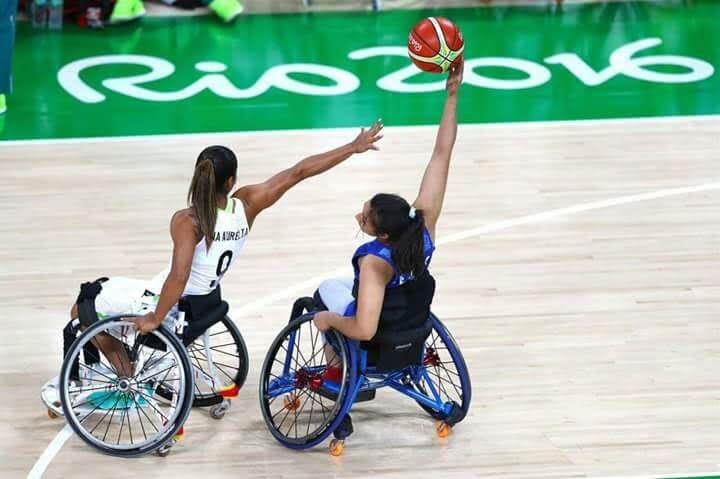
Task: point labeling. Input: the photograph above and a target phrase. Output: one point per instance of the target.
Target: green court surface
(187, 75)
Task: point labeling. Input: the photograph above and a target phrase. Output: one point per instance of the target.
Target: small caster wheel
(51, 414)
(218, 411)
(291, 402)
(336, 447)
(443, 429)
(164, 450)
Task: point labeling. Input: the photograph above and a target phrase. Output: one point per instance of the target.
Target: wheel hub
(123, 385)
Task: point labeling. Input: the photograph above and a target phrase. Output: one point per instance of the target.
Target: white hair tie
(412, 213)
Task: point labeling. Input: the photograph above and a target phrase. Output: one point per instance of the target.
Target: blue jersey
(384, 252)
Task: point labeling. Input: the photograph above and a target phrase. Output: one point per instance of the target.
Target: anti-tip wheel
(337, 447)
(51, 414)
(218, 411)
(443, 429)
(163, 451)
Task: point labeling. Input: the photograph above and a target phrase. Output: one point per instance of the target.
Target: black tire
(447, 371)
(300, 383)
(173, 369)
(230, 358)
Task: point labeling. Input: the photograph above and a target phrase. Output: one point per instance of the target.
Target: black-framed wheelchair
(202, 362)
(302, 404)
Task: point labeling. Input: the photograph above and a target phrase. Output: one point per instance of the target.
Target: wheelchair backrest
(392, 351)
(404, 325)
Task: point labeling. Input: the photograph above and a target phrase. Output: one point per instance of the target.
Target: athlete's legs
(337, 295)
(112, 348)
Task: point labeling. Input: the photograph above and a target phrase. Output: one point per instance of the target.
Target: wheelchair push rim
(444, 375)
(301, 403)
(124, 415)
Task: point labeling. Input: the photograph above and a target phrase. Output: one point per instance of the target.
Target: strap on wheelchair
(201, 313)
(90, 352)
(86, 301)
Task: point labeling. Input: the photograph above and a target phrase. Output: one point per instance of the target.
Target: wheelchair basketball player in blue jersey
(376, 329)
(127, 385)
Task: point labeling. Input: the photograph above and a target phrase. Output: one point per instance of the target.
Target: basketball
(435, 44)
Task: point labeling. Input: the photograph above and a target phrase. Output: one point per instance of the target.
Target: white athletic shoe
(50, 395)
(93, 380)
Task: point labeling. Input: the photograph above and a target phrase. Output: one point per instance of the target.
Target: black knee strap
(90, 352)
(86, 302)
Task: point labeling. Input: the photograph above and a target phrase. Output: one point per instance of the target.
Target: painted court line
(50, 452)
(680, 475)
(311, 284)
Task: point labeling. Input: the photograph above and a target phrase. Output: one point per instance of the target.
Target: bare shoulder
(372, 265)
(184, 221)
(244, 193)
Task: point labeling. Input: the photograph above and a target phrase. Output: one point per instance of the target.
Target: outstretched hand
(455, 78)
(367, 138)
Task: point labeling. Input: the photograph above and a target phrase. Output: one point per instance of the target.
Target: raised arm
(434, 182)
(258, 197)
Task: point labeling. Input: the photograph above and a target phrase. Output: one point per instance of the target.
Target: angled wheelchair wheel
(444, 374)
(220, 363)
(113, 404)
(305, 383)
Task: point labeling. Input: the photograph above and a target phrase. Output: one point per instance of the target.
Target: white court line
(310, 284)
(50, 452)
(664, 476)
(224, 134)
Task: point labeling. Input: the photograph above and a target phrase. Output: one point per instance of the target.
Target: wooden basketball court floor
(578, 269)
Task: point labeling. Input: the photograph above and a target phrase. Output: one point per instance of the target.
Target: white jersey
(209, 266)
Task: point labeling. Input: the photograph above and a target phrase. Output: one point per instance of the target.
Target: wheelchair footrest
(362, 396)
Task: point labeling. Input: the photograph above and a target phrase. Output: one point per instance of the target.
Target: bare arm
(434, 182)
(374, 276)
(184, 236)
(258, 197)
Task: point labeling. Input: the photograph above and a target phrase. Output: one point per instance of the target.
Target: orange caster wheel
(291, 402)
(51, 414)
(443, 429)
(337, 447)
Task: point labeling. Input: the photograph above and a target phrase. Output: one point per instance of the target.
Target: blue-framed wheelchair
(199, 361)
(302, 404)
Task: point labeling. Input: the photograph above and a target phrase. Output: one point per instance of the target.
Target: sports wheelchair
(302, 404)
(202, 363)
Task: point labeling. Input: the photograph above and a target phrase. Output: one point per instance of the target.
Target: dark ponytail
(214, 166)
(405, 226)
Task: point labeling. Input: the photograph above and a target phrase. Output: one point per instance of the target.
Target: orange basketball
(435, 44)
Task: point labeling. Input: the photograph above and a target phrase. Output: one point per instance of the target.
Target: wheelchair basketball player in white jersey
(207, 237)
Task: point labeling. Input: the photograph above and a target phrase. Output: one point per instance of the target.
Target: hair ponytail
(202, 197)
(409, 249)
(214, 166)
(405, 227)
